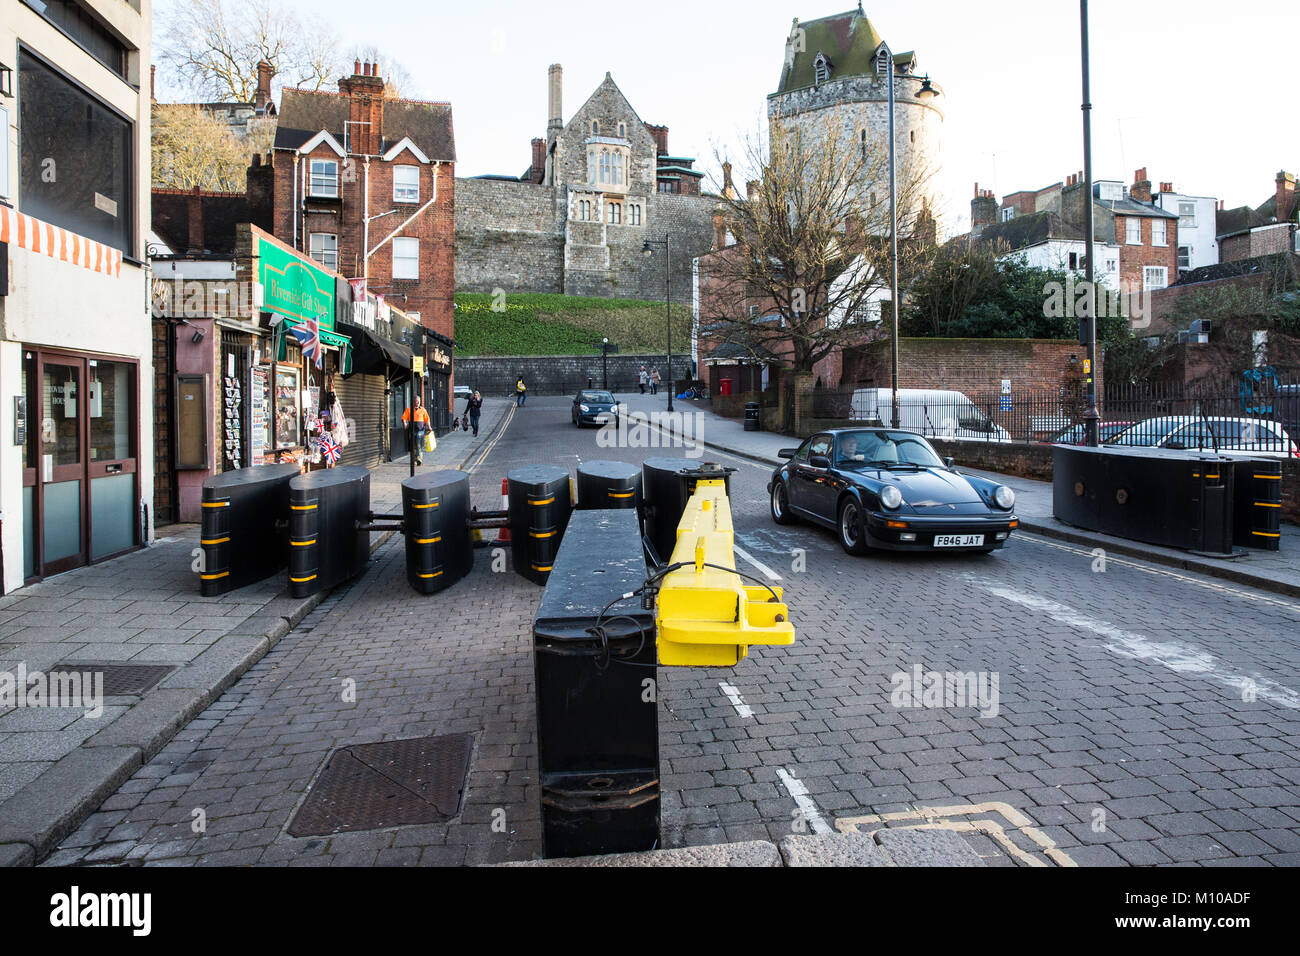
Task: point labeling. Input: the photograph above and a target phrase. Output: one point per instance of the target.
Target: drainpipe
(365, 235)
(296, 160)
(437, 164)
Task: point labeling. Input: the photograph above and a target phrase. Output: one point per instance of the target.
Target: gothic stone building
(597, 188)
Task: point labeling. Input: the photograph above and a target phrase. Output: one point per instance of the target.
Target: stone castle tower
(834, 81)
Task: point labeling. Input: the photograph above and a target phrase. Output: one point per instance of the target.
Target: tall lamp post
(887, 58)
(1090, 414)
(604, 363)
(647, 251)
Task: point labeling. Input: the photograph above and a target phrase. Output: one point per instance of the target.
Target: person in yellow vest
(521, 391)
(422, 425)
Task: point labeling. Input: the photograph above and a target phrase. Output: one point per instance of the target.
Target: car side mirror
(787, 452)
(950, 463)
(819, 461)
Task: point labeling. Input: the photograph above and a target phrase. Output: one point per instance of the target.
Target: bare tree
(811, 240)
(194, 149)
(214, 46)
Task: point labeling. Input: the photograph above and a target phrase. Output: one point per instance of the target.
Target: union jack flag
(329, 449)
(308, 336)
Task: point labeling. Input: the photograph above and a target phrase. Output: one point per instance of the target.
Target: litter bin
(753, 417)
(724, 386)
(597, 719)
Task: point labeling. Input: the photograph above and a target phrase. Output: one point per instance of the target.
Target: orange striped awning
(36, 235)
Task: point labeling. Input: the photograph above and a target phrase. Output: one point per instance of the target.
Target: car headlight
(584, 408)
(1004, 497)
(891, 497)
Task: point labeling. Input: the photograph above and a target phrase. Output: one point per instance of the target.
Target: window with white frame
(1008, 214)
(406, 258)
(1154, 277)
(1157, 232)
(324, 179)
(753, 311)
(406, 184)
(1133, 231)
(324, 248)
(1187, 215)
(1184, 257)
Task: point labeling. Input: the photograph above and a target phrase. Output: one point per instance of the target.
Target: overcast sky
(1194, 91)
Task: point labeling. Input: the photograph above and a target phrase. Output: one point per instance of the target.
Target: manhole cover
(392, 783)
(120, 680)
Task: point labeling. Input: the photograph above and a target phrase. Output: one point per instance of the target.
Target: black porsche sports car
(886, 488)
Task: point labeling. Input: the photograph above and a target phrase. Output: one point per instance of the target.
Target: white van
(934, 412)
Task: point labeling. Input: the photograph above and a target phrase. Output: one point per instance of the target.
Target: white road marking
(794, 786)
(1165, 572)
(737, 701)
(1176, 655)
(771, 575)
(487, 449)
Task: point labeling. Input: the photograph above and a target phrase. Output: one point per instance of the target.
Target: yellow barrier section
(708, 617)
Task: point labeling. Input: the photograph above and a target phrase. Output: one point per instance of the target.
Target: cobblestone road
(1142, 716)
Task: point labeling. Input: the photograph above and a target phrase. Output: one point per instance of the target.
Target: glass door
(60, 465)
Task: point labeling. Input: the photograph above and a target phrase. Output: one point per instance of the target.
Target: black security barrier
(539, 505)
(435, 519)
(608, 484)
(668, 484)
(597, 719)
(1179, 499)
(244, 531)
(1257, 505)
(327, 545)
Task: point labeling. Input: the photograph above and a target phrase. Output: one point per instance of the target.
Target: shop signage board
(294, 287)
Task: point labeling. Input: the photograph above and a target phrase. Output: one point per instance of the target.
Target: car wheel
(852, 535)
(781, 504)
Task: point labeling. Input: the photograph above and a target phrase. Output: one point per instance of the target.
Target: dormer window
(821, 68)
(882, 62)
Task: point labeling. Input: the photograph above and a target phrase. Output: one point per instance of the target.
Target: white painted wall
(1200, 239)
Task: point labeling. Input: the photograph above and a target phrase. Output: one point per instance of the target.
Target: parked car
(594, 407)
(1077, 434)
(932, 412)
(462, 391)
(1246, 437)
(888, 488)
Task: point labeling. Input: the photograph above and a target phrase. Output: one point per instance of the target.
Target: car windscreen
(882, 449)
(1150, 432)
(597, 398)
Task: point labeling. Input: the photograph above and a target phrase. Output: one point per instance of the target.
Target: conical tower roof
(847, 39)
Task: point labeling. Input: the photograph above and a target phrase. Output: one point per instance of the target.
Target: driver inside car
(849, 449)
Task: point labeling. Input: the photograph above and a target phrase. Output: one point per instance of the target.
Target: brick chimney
(194, 216)
(719, 227)
(1285, 195)
(365, 94)
(554, 101)
(728, 187)
(660, 134)
(1141, 188)
(537, 172)
(751, 190)
(263, 95)
(983, 210)
(1166, 187)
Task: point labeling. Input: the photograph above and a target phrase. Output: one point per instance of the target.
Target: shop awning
(372, 354)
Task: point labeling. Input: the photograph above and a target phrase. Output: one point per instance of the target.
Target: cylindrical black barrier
(326, 546)
(435, 515)
(245, 527)
(668, 484)
(539, 504)
(597, 719)
(608, 484)
(753, 417)
(1257, 504)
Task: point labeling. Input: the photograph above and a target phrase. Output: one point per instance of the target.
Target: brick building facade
(575, 222)
(365, 184)
(1272, 227)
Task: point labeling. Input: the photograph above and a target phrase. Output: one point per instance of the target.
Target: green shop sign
(294, 287)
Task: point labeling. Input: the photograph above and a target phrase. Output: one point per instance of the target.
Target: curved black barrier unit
(668, 484)
(435, 519)
(608, 484)
(540, 503)
(1172, 498)
(597, 726)
(245, 526)
(326, 546)
(1257, 511)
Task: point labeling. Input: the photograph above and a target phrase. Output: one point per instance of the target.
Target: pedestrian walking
(654, 382)
(473, 408)
(521, 391)
(422, 425)
(642, 380)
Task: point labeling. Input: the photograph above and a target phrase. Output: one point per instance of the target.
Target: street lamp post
(604, 363)
(888, 56)
(1091, 416)
(668, 301)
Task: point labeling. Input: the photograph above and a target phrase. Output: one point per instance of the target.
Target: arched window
(595, 128)
(591, 166)
(622, 131)
(913, 135)
(821, 68)
(882, 62)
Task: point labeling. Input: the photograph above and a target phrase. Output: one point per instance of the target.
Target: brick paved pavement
(1121, 734)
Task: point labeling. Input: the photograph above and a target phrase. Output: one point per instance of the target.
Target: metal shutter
(362, 398)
